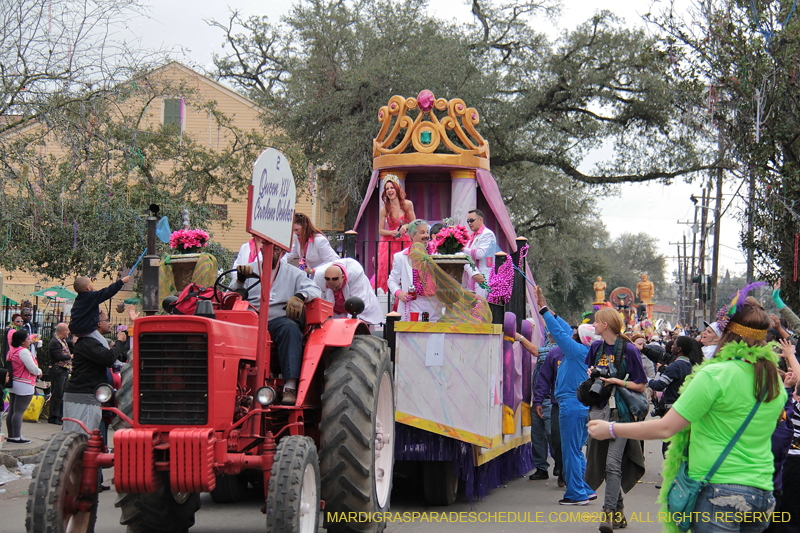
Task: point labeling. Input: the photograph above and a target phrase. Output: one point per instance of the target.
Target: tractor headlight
(104, 393)
(265, 396)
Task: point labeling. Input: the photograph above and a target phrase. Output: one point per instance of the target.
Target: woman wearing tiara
(395, 215)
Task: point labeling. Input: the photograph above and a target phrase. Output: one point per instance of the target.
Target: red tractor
(204, 419)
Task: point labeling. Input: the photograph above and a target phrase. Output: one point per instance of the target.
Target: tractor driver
(290, 290)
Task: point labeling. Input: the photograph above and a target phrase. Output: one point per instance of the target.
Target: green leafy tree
(82, 210)
(559, 218)
(631, 255)
(80, 160)
(742, 59)
(325, 70)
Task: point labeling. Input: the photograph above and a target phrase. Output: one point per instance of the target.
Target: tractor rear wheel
(55, 486)
(229, 489)
(357, 433)
(293, 497)
(162, 511)
(439, 482)
(124, 395)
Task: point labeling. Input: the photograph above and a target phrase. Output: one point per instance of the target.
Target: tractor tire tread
(347, 435)
(42, 513)
(283, 497)
(124, 396)
(157, 512)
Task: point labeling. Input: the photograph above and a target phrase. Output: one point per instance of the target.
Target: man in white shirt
(345, 279)
(480, 247)
(401, 279)
(709, 339)
(290, 291)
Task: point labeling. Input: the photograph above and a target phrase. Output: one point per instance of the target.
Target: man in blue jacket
(572, 414)
(544, 400)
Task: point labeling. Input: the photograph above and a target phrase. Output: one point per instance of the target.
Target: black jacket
(55, 352)
(89, 363)
(671, 380)
(86, 311)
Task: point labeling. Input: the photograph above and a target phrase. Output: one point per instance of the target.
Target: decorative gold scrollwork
(426, 136)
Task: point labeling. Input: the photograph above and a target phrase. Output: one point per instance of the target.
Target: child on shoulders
(86, 310)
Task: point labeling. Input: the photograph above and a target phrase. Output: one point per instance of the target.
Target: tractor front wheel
(124, 396)
(55, 488)
(293, 499)
(357, 433)
(162, 511)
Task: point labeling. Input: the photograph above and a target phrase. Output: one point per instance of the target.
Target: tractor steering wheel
(226, 288)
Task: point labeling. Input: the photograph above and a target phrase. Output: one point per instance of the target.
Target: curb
(22, 450)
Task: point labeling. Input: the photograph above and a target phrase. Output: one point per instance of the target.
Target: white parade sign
(273, 198)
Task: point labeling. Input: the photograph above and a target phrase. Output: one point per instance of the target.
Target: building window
(220, 211)
(172, 111)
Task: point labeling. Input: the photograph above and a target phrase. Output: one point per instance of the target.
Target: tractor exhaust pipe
(150, 267)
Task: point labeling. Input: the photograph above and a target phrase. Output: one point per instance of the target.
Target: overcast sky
(651, 208)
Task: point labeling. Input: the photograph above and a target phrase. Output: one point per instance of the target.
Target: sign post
(270, 216)
(271, 199)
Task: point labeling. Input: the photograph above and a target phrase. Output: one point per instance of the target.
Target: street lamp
(36, 288)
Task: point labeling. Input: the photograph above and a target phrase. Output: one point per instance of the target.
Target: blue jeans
(573, 415)
(540, 436)
(288, 339)
(718, 503)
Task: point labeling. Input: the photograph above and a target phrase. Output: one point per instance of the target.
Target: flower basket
(453, 265)
(188, 241)
(450, 240)
(183, 266)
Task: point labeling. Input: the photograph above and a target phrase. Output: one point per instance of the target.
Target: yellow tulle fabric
(462, 306)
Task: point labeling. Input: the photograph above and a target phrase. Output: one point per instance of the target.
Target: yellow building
(199, 125)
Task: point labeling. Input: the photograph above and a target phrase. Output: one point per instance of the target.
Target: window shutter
(172, 111)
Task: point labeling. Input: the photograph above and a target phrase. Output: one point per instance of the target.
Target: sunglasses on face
(332, 279)
(471, 220)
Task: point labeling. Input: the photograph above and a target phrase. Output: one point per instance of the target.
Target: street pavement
(534, 502)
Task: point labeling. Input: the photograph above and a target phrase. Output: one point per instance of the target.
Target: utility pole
(750, 201)
(680, 283)
(717, 221)
(695, 229)
(685, 281)
(701, 263)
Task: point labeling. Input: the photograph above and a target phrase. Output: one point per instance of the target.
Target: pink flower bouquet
(450, 240)
(188, 241)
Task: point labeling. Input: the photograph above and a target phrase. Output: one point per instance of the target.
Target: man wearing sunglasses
(345, 279)
(480, 248)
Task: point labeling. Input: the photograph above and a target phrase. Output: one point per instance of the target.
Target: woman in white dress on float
(315, 250)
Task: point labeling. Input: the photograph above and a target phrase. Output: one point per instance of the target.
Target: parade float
(463, 389)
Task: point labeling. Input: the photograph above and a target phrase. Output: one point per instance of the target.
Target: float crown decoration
(426, 133)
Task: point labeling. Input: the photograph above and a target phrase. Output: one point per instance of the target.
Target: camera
(593, 392)
(660, 410)
(597, 391)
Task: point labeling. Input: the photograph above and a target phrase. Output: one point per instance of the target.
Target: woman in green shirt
(714, 403)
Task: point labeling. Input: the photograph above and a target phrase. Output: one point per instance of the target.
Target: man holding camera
(90, 361)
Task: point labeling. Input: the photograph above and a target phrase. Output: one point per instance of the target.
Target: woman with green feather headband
(714, 403)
